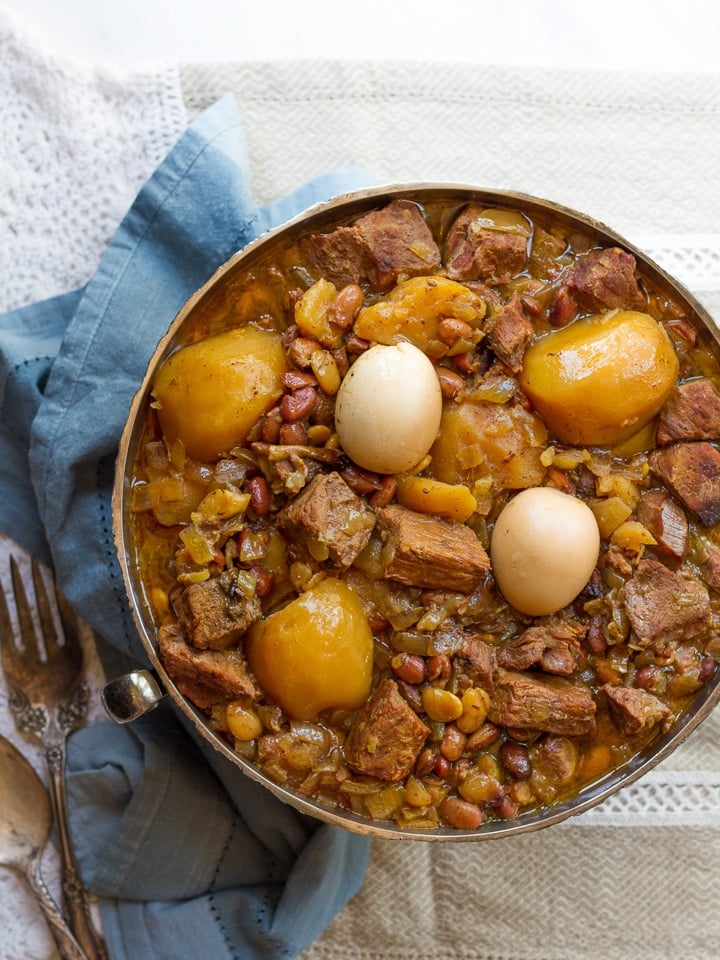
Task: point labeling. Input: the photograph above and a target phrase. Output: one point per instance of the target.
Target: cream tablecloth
(635, 878)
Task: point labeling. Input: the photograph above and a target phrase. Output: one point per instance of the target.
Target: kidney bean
(292, 433)
(383, 496)
(707, 665)
(259, 495)
(482, 738)
(265, 580)
(461, 814)
(300, 351)
(408, 667)
(270, 426)
(425, 762)
(439, 667)
(442, 766)
(361, 481)
(295, 379)
(343, 309)
(531, 304)
(506, 807)
(295, 406)
(355, 344)
(651, 678)
(453, 742)
(451, 330)
(451, 383)
(516, 760)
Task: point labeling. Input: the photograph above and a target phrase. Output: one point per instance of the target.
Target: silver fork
(44, 672)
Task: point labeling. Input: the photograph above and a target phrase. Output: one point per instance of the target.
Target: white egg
(544, 549)
(388, 408)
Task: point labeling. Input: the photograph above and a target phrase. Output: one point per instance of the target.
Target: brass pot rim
(319, 216)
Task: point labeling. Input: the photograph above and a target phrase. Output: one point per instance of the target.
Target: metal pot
(130, 696)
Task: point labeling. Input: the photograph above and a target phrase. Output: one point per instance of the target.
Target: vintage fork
(44, 675)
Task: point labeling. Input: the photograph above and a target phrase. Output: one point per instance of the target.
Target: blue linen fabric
(190, 858)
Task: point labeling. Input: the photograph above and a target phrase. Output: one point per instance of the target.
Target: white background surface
(623, 34)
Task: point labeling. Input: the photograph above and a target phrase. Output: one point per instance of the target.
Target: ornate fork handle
(52, 732)
(67, 946)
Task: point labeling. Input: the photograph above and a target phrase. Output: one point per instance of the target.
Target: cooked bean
(484, 737)
(355, 344)
(292, 434)
(300, 351)
(441, 705)
(343, 309)
(265, 580)
(475, 704)
(461, 814)
(439, 667)
(451, 383)
(270, 428)
(416, 793)
(409, 667)
(296, 379)
(243, 723)
(383, 496)
(361, 481)
(326, 371)
(451, 330)
(506, 807)
(516, 760)
(295, 406)
(425, 762)
(259, 495)
(442, 766)
(453, 742)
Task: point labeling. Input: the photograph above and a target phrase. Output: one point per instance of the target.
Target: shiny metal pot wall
(129, 697)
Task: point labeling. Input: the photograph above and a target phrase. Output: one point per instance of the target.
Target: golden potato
(315, 653)
(209, 394)
(489, 439)
(602, 378)
(414, 310)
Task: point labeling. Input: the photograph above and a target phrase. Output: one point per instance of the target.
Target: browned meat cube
(692, 412)
(553, 647)
(634, 711)
(666, 521)
(329, 517)
(386, 736)
(532, 702)
(476, 657)
(509, 333)
(710, 569)
(217, 612)
(204, 676)
(692, 472)
(425, 551)
(603, 280)
(663, 606)
(377, 248)
(475, 252)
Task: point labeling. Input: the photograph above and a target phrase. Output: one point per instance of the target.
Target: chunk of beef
(634, 711)
(666, 521)
(425, 551)
(553, 646)
(476, 660)
(386, 736)
(604, 280)
(710, 569)
(692, 472)
(533, 702)
(204, 676)
(377, 248)
(329, 517)
(475, 252)
(663, 606)
(691, 412)
(217, 612)
(509, 332)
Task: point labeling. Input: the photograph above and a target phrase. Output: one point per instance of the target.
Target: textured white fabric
(76, 145)
(633, 879)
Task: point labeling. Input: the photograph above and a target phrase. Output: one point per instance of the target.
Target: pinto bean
(296, 379)
(453, 742)
(383, 496)
(300, 351)
(361, 481)
(425, 762)
(451, 383)
(343, 309)
(292, 434)
(482, 738)
(270, 426)
(295, 406)
(516, 760)
(408, 667)
(439, 667)
(451, 330)
(442, 766)
(259, 495)
(461, 814)
(265, 580)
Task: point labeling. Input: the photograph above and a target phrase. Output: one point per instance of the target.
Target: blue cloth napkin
(189, 857)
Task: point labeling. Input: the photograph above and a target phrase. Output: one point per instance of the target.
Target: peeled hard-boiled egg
(388, 408)
(544, 549)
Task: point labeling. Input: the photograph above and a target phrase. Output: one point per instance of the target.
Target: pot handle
(131, 696)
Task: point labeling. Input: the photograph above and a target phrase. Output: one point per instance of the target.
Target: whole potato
(602, 378)
(315, 653)
(210, 393)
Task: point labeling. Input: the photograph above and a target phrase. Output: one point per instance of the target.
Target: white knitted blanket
(635, 878)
